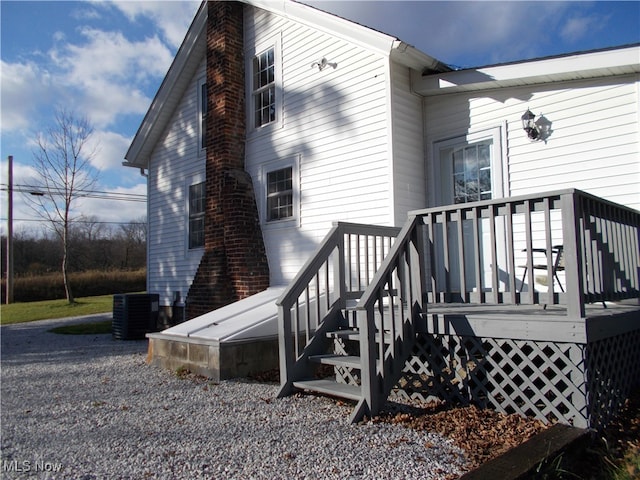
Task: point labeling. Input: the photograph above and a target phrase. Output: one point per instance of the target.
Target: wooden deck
(593, 310)
(510, 345)
(534, 321)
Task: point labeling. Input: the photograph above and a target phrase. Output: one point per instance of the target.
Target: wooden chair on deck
(557, 264)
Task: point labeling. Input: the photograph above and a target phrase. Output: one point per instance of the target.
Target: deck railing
(484, 252)
(388, 314)
(335, 276)
(505, 251)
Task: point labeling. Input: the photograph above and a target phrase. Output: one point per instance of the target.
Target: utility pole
(9, 283)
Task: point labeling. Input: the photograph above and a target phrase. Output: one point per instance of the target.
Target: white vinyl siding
(335, 121)
(408, 145)
(175, 165)
(593, 145)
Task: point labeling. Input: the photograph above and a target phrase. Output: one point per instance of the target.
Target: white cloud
(107, 210)
(578, 27)
(490, 31)
(105, 75)
(85, 11)
(109, 72)
(497, 31)
(171, 17)
(110, 148)
(109, 76)
(25, 86)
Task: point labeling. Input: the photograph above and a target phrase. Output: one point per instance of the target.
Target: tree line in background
(92, 246)
(102, 259)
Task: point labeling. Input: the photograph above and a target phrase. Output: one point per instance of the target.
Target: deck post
(285, 346)
(369, 390)
(339, 272)
(571, 224)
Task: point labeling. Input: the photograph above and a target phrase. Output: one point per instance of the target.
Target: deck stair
(348, 322)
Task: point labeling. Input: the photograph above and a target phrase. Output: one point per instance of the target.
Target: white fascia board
(411, 57)
(563, 68)
(169, 93)
(337, 26)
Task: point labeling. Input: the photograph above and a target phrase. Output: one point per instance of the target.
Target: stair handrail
(376, 371)
(333, 241)
(308, 271)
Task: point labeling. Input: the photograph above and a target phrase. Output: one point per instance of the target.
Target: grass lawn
(92, 328)
(31, 311)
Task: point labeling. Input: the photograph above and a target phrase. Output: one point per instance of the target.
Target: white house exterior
(591, 99)
(369, 135)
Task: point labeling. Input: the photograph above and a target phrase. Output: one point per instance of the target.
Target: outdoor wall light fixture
(322, 64)
(537, 130)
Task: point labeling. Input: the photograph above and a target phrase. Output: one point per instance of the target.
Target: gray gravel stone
(91, 408)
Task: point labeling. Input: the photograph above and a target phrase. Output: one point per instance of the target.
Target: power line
(74, 221)
(99, 194)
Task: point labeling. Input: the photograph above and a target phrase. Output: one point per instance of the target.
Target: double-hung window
(280, 194)
(196, 215)
(264, 88)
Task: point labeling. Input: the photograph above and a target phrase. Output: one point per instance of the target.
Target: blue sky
(106, 60)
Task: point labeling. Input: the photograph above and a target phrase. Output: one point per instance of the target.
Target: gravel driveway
(89, 407)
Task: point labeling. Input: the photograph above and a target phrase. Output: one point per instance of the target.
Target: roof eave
(604, 63)
(411, 57)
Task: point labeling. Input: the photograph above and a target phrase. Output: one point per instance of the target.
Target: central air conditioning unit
(134, 315)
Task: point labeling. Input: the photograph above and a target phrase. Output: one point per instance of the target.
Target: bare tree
(135, 239)
(63, 163)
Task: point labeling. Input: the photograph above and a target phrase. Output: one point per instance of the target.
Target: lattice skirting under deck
(578, 384)
(613, 371)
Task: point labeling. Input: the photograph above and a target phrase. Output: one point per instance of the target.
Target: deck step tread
(350, 334)
(354, 334)
(350, 361)
(330, 387)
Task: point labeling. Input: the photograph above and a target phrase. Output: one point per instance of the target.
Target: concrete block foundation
(211, 358)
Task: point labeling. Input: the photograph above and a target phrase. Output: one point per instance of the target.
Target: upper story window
(264, 88)
(202, 113)
(280, 194)
(472, 172)
(196, 215)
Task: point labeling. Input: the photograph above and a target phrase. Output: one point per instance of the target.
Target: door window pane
(472, 172)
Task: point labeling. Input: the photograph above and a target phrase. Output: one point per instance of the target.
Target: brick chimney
(234, 264)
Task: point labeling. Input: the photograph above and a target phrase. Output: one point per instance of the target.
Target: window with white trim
(264, 88)
(197, 195)
(280, 194)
